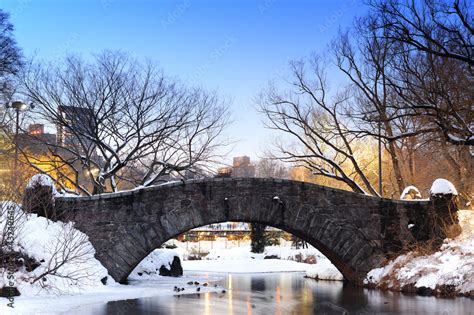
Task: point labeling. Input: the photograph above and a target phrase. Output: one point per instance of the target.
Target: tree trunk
(258, 237)
(392, 150)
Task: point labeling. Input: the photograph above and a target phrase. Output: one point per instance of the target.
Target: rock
(194, 257)
(409, 288)
(39, 198)
(311, 259)
(198, 289)
(175, 269)
(446, 290)
(9, 292)
(424, 291)
(271, 257)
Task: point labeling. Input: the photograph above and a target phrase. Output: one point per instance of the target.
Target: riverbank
(447, 272)
(101, 295)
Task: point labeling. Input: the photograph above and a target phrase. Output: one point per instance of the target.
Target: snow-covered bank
(448, 271)
(163, 286)
(245, 266)
(324, 270)
(60, 259)
(273, 259)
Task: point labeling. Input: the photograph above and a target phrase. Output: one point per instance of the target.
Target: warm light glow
(207, 303)
(278, 302)
(231, 306)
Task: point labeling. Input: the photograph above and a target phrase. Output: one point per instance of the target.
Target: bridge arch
(355, 232)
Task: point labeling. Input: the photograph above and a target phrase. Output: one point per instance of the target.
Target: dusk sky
(234, 47)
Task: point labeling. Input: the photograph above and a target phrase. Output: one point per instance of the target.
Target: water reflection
(286, 293)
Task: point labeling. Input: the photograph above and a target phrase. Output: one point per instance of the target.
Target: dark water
(285, 293)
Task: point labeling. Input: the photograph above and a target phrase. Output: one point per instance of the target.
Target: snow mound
(410, 192)
(48, 242)
(149, 267)
(42, 180)
(324, 270)
(443, 187)
(452, 265)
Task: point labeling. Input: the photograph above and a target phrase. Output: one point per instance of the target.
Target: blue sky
(234, 47)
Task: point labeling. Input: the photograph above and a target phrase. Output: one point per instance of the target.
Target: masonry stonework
(356, 232)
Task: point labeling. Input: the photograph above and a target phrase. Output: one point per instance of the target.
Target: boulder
(175, 269)
(9, 292)
(424, 291)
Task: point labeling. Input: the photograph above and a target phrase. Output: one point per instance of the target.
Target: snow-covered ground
(452, 265)
(59, 304)
(245, 266)
(242, 260)
(65, 256)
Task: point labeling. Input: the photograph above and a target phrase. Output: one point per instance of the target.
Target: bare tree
(120, 119)
(10, 57)
(307, 115)
(365, 60)
(434, 44)
(269, 167)
(10, 64)
(438, 27)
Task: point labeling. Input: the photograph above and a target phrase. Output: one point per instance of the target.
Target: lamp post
(18, 106)
(380, 160)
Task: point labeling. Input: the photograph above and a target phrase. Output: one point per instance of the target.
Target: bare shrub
(68, 261)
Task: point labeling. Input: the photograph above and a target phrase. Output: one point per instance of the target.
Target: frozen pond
(281, 293)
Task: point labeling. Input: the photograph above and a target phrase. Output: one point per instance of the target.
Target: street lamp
(18, 106)
(380, 159)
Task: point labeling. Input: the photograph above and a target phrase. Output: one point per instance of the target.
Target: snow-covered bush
(442, 186)
(410, 192)
(42, 180)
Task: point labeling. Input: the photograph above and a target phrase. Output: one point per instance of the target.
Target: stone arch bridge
(356, 232)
